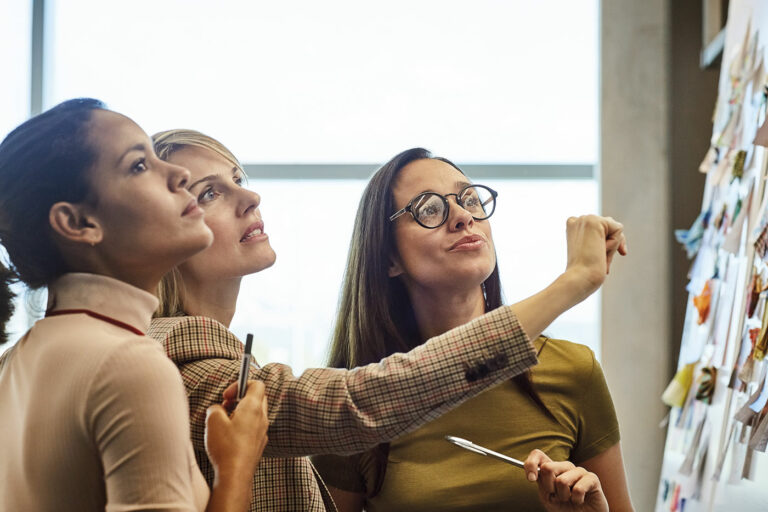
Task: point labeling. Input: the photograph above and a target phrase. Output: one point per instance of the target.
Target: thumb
(216, 418)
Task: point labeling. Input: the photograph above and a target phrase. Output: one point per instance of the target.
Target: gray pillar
(635, 188)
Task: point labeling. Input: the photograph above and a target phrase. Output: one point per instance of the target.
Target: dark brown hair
(375, 317)
(43, 161)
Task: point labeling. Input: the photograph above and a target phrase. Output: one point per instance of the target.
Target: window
(343, 81)
(312, 95)
(15, 56)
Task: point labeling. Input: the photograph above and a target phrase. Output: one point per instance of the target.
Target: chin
(262, 263)
(194, 244)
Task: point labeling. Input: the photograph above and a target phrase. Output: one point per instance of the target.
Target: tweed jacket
(328, 410)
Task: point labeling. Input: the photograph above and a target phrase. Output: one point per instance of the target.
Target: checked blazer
(329, 410)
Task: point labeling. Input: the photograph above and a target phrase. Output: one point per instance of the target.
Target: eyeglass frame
(447, 207)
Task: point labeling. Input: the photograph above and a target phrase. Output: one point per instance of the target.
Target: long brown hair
(375, 316)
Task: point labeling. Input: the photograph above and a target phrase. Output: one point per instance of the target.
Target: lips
(191, 207)
(467, 241)
(254, 230)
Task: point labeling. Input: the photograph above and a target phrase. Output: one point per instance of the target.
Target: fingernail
(531, 477)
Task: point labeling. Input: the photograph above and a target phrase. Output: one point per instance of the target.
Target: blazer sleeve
(328, 410)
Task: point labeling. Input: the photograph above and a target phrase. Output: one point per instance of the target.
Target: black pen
(242, 379)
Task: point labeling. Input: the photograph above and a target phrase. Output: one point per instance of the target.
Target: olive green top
(424, 472)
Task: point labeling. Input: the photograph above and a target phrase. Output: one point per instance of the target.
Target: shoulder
(134, 375)
(191, 338)
(137, 355)
(579, 359)
(565, 365)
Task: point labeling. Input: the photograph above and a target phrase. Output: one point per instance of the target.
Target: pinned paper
(720, 171)
(691, 238)
(687, 467)
(737, 171)
(761, 137)
(747, 412)
(761, 345)
(759, 439)
(759, 403)
(758, 75)
(738, 455)
(703, 302)
(721, 459)
(706, 384)
(677, 390)
(761, 243)
(731, 129)
(710, 159)
(755, 287)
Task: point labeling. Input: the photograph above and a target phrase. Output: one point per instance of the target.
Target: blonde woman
(335, 410)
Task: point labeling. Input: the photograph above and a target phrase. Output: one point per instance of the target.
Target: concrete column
(635, 188)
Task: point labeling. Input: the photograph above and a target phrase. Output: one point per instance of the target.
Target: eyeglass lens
(430, 208)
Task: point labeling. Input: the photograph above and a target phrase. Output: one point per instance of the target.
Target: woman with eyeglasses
(334, 410)
(93, 416)
(422, 260)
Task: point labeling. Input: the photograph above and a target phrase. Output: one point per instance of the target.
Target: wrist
(575, 285)
(231, 489)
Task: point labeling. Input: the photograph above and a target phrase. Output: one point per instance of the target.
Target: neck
(439, 312)
(95, 261)
(146, 281)
(214, 299)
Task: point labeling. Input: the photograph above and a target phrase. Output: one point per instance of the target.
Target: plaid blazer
(328, 410)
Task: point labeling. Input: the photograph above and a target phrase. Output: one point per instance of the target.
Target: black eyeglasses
(430, 209)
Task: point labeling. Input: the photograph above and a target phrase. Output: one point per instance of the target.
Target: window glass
(343, 80)
(15, 59)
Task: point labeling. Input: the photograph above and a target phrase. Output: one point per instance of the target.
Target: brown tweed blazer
(328, 410)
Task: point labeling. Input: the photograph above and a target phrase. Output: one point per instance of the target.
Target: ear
(73, 223)
(395, 268)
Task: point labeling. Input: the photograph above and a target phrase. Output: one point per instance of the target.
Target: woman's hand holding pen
(564, 487)
(235, 442)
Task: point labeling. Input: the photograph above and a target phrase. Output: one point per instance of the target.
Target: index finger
(611, 226)
(230, 394)
(531, 465)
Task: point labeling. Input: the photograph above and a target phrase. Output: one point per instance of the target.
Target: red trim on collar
(98, 316)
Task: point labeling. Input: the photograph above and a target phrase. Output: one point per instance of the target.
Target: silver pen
(482, 450)
(242, 379)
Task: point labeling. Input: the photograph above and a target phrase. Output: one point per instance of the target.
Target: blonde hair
(170, 291)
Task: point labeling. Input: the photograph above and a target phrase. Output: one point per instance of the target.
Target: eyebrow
(458, 184)
(211, 177)
(136, 147)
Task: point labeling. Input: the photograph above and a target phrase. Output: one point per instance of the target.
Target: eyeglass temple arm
(398, 213)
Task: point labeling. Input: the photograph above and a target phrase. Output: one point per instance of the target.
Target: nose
(249, 201)
(178, 177)
(458, 217)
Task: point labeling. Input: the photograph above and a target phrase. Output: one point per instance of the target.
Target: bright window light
(15, 57)
(338, 81)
